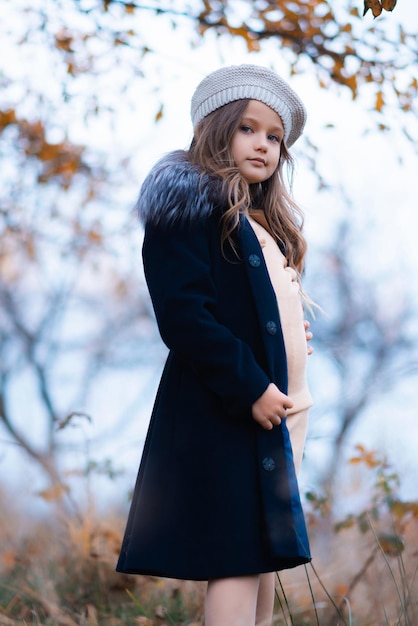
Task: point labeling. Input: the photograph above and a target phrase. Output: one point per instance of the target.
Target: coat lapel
(274, 448)
(266, 304)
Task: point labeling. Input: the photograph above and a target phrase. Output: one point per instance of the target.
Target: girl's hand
(309, 336)
(271, 407)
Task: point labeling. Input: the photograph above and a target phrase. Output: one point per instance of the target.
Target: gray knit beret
(237, 82)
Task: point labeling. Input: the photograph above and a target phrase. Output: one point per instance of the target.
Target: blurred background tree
(82, 90)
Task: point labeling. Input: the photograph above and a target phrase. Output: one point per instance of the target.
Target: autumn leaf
(379, 101)
(368, 457)
(342, 590)
(9, 559)
(377, 6)
(400, 509)
(389, 5)
(351, 82)
(6, 118)
(253, 45)
(160, 113)
(56, 492)
(94, 236)
(60, 161)
(374, 5)
(349, 522)
(391, 544)
(63, 41)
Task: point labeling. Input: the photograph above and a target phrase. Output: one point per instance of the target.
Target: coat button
(271, 327)
(254, 260)
(268, 464)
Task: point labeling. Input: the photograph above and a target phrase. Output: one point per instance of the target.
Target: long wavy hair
(211, 151)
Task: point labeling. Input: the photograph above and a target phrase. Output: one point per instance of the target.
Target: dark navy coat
(216, 494)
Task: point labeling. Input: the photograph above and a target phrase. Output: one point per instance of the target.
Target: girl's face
(257, 141)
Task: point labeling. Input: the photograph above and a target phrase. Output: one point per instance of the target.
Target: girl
(216, 497)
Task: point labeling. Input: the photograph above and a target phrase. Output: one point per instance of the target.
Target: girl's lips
(260, 161)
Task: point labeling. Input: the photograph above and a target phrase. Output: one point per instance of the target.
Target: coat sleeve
(178, 273)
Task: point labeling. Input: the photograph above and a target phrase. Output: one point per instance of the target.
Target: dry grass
(353, 574)
(62, 572)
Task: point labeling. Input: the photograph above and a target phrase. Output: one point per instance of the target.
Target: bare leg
(232, 601)
(265, 600)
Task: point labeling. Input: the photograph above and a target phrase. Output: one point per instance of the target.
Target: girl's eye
(274, 138)
(245, 128)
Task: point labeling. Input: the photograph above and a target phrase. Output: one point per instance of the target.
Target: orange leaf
(6, 118)
(9, 558)
(56, 492)
(388, 5)
(342, 590)
(253, 45)
(374, 5)
(379, 101)
(94, 236)
(63, 40)
(399, 509)
(366, 457)
(347, 523)
(160, 113)
(351, 82)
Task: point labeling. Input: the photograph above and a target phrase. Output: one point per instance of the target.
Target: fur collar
(175, 191)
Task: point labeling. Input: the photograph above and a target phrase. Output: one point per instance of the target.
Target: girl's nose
(261, 142)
